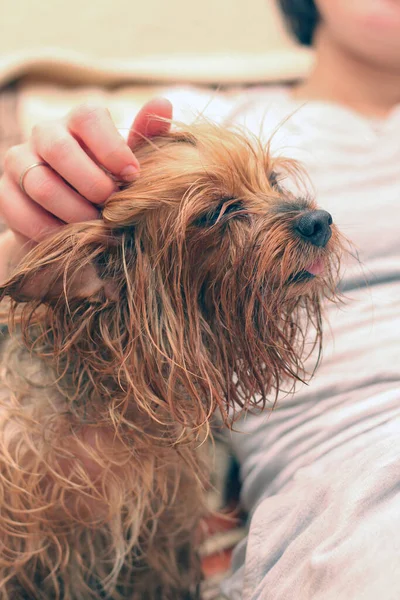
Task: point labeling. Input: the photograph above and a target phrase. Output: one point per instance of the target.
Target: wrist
(13, 247)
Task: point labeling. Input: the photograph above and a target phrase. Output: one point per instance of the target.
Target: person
(320, 474)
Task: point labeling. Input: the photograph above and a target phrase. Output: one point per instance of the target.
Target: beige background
(102, 41)
(132, 28)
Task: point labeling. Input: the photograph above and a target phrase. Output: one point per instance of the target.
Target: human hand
(83, 151)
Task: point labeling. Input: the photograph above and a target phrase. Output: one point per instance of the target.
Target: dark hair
(302, 18)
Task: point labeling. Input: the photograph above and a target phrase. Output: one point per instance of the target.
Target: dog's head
(197, 288)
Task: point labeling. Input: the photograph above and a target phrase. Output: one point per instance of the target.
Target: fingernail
(130, 172)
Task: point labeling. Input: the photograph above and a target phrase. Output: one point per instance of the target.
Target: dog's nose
(314, 226)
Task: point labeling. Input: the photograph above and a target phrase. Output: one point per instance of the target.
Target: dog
(200, 290)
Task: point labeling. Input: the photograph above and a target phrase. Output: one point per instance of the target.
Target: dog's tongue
(317, 267)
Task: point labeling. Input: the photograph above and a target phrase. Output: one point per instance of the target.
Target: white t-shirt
(321, 474)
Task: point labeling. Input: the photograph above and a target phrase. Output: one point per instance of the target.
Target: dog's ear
(63, 266)
(123, 321)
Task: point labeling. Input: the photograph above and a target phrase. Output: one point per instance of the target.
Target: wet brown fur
(129, 333)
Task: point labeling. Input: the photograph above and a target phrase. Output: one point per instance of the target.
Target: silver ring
(24, 172)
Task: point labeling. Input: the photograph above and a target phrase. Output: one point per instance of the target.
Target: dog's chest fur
(86, 495)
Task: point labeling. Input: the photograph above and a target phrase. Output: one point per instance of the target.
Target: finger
(94, 126)
(22, 214)
(47, 189)
(56, 146)
(148, 121)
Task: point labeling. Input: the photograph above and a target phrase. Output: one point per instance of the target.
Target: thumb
(147, 122)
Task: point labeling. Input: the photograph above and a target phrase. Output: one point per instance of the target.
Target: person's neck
(346, 79)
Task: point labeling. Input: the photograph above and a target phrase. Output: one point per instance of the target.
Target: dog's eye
(228, 207)
(273, 179)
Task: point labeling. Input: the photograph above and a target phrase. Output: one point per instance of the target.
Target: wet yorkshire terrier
(199, 290)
